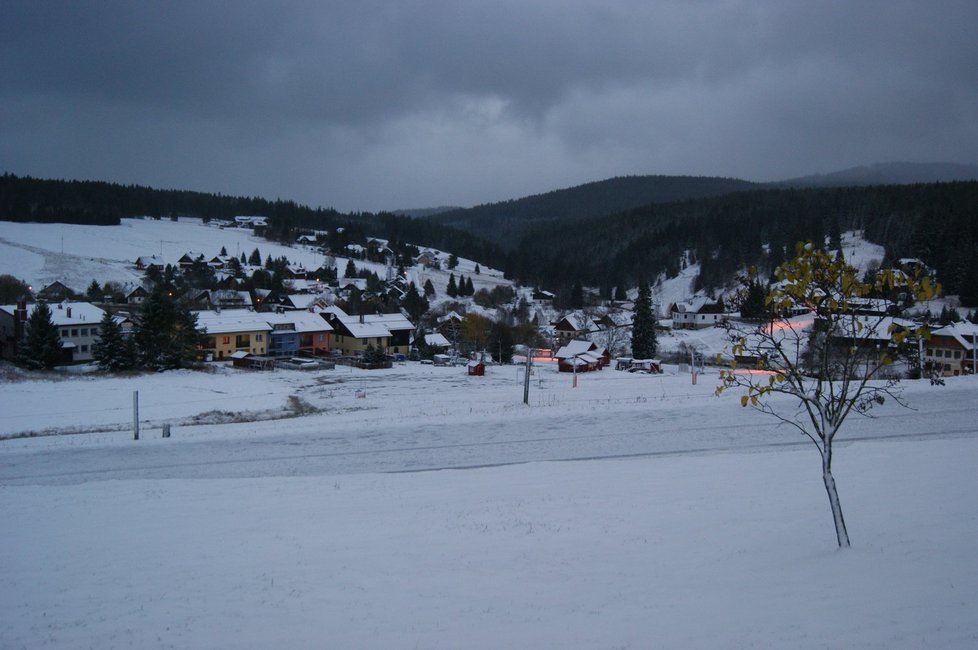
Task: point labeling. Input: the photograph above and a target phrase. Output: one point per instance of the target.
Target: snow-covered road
(454, 429)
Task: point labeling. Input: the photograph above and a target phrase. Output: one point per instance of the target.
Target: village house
(352, 335)
(581, 356)
(951, 350)
(575, 325)
(147, 262)
(266, 334)
(189, 258)
(231, 331)
(137, 295)
(54, 292)
(221, 299)
(400, 328)
(697, 313)
(77, 324)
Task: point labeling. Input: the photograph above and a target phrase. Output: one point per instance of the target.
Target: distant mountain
(418, 213)
(505, 222)
(891, 173)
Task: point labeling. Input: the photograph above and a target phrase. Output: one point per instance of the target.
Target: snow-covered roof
(238, 320)
(575, 348)
(303, 321)
(579, 321)
(437, 340)
(65, 313)
(232, 320)
(353, 324)
(390, 321)
(963, 332)
(696, 305)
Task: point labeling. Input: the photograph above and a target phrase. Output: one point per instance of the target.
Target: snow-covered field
(631, 511)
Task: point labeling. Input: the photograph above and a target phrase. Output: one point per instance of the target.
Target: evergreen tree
(452, 289)
(469, 289)
(41, 347)
(224, 252)
(752, 303)
(414, 303)
(835, 234)
(644, 342)
(351, 269)
(620, 293)
(452, 261)
(255, 258)
(429, 289)
(166, 332)
(94, 292)
(478, 271)
(577, 296)
(112, 352)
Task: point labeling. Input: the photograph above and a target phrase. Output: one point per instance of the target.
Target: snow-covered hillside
(75, 255)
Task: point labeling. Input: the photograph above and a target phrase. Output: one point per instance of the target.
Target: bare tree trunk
(841, 534)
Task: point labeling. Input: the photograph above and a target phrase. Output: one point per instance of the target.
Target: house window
(84, 331)
(84, 348)
(257, 337)
(957, 354)
(225, 340)
(74, 331)
(242, 341)
(94, 331)
(930, 352)
(64, 334)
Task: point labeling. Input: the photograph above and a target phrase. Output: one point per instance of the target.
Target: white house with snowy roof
(77, 323)
(697, 313)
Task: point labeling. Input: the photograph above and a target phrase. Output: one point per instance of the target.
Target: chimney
(22, 311)
(69, 312)
(361, 318)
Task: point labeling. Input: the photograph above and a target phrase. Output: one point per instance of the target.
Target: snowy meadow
(439, 511)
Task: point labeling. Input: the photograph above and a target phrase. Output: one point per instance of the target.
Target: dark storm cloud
(389, 104)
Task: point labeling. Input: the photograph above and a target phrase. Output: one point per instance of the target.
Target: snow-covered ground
(41, 253)
(684, 520)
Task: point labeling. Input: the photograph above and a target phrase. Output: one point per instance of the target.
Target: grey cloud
(366, 105)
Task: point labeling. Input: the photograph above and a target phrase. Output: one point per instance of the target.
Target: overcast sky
(381, 105)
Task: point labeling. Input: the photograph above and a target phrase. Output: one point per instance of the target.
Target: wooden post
(135, 415)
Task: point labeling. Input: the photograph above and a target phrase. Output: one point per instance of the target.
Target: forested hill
(935, 222)
(891, 173)
(504, 223)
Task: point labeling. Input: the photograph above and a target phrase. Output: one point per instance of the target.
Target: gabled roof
(354, 326)
(303, 321)
(577, 321)
(699, 305)
(963, 333)
(393, 322)
(575, 348)
(232, 320)
(80, 312)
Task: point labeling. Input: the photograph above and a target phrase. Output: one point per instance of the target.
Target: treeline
(935, 222)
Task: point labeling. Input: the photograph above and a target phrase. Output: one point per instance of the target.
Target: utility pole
(526, 376)
(135, 415)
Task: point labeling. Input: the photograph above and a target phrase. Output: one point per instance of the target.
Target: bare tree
(832, 361)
